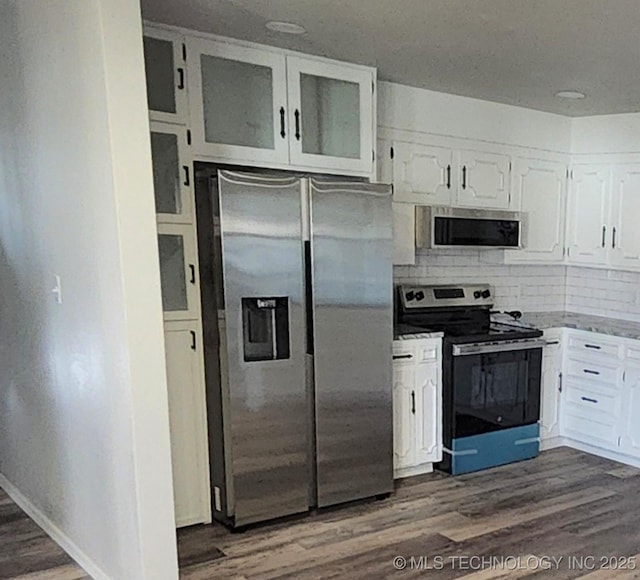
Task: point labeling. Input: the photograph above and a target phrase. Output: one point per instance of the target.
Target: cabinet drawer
(428, 351)
(590, 403)
(595, 345)
(593, 371)
(404, 352)
(588, 430)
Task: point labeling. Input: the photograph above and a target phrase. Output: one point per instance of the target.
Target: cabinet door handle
(192, 269)
(282, 131)
(464, 177)
(449, 176)
(550, 342)
(589, 400)
(193, 340)
(399, 356)
(593, 346)
(187, 181)
(413, 402)
(181, 79)
(297, 116)
(559, 382)
(613, 240)
(604, 235)
(590, 372)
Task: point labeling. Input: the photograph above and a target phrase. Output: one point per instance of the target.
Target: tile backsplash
(530, 288)
(603, 292)
(522, 287)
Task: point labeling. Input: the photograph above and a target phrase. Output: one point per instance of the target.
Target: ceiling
(519, 52)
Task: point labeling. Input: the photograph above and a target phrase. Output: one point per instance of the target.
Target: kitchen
(450, 159)
(448, 281)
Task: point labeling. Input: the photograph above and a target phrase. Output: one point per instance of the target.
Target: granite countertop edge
(587, 322)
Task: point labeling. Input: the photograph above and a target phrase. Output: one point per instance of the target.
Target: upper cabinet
(165, 70)
(422, 173)
(238, 102)
(253, 106)
(172, 173)
(330, 115)
(604, 202)
(625, 209)
(588, 215)
(539, 191)
(429, 170)
(484, 180)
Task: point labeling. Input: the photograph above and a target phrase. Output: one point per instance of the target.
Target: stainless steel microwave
(448, 227)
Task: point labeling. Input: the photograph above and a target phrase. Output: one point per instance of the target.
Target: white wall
(84, 434)
(606, 134)
(413, 109)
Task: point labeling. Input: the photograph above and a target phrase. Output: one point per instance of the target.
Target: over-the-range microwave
(447, 227)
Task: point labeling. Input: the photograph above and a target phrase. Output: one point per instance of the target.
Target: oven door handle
(470, 349)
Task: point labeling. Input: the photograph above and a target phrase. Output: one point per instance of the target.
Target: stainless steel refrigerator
(300, 402)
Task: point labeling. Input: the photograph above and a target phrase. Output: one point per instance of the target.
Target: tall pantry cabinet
(177, 246)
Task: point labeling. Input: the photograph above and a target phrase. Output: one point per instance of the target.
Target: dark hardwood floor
(582, 510)
(27, 552)
(565, 514)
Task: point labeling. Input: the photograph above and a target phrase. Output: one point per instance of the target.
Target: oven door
(495, 388)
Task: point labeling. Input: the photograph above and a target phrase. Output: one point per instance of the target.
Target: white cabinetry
(539, 191)
(625, 211)
(551, 387)
(484, 180)
(189, 455)
(593, 389)
(417, 405)
(178, 272)
(172, 173)
(588, 214)
(630, 437)
(604, 200)
(165, 70)
(422, 173)
(260, 106)
(440, 171)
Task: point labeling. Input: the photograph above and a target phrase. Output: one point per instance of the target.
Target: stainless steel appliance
(447, 227)
(300, 394)
(491, 375)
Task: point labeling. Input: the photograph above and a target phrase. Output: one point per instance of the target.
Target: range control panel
(418, 297)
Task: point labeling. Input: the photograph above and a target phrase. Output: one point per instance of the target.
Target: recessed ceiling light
(286, 27)
(575, 95)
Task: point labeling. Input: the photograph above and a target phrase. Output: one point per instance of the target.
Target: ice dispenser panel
(265, 328)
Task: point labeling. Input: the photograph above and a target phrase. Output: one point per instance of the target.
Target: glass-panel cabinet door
(238, 102)
(178, 271)
(172, 173)
(331, 114)
(165, 70)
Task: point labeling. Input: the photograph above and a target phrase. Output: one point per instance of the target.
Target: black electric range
(491, 375)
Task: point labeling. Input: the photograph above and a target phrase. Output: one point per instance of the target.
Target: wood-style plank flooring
(564, 504)
(26, 552)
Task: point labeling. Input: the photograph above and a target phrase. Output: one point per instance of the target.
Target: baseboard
(53, 531)
(607, 454)
(552, 443)
(411, 471)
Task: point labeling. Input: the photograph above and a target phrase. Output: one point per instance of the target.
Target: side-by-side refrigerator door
(351, 247)
(267, 407)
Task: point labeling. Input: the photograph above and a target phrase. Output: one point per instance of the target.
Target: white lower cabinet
(551, 387)
(417, 405)
(187, 418)
(600, 401)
